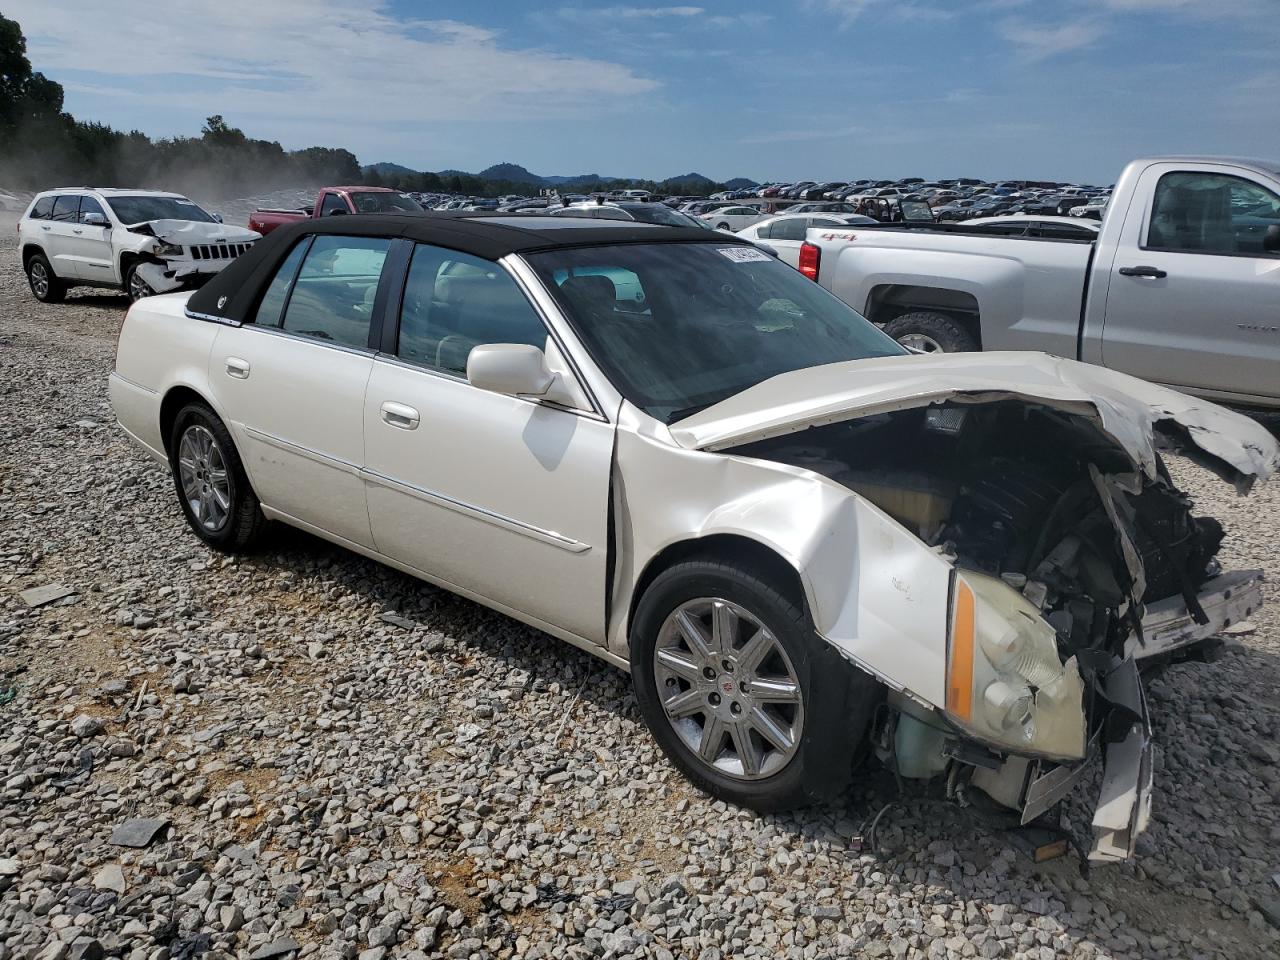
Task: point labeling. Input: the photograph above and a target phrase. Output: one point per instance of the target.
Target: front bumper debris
(1122, 741)
(1169, 626)
(169, 276)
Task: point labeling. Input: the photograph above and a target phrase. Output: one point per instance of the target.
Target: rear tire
(769, 725)
(45, 285)
(722, 226)
(931, 332)
(208, 476)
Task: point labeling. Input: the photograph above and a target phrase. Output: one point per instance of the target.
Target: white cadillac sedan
(810, 548)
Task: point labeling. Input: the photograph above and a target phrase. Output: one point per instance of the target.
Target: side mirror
(336, 212)
(95, 220)
(218, 217)
(517, 370)
(1271, 239)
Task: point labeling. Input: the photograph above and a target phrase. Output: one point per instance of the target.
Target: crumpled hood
(186, 232)
(1132, 411)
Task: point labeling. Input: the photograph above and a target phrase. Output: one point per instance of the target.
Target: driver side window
(1211, 213)
(454, 302)
(332, 202)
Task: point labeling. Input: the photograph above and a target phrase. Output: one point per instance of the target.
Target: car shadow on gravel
(1215, 809)
(106, 301)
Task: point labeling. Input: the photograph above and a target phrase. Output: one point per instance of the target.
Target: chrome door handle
(45, 227)
(237, 368)
(400, 415)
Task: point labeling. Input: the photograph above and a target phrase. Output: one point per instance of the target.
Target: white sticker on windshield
(743, 254)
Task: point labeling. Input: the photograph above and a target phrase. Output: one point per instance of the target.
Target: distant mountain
(740, 183)
(385, 168)
(511, 171)
(515, 173)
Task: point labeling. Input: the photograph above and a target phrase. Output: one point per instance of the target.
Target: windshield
(131, 210)
(680, 326)
(385, 203)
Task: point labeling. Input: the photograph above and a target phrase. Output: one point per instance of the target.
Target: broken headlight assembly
(162, 249)
(1006, 685)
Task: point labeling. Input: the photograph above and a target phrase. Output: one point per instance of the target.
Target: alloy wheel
(728, 688)
(39, 278)
(202, 469)
(138, 287)
(920, 342)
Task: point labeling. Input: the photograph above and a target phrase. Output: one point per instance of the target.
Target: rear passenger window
(453, 302)
(65, 209)
(332, 299)
(271, 308)
(792, 228)
(43, 209)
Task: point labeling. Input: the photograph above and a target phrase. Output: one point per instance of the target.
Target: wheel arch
(175, 398)
(29, 250)
(888, 301)
(753, 555)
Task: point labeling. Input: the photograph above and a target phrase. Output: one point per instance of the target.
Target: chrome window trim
(303, 338)
(530, 530)
(210, 318)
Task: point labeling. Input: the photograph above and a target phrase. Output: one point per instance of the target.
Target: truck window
(89, 205)
(65, 208)
(332, 201)
(332, 299)
(43, 208)
(1211, 213)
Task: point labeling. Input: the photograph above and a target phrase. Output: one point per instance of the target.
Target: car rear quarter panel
(873, 590)
(160, 348)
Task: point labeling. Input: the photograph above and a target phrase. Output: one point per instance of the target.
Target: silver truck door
(1193, 299)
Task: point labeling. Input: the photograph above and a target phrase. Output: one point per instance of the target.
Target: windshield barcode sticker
(743, 254)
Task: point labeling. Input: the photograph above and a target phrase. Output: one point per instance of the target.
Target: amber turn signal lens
(960, 661)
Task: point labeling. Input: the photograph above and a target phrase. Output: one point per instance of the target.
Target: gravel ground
(449, 783)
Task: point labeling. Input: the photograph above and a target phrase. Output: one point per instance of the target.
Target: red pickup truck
(337, 200)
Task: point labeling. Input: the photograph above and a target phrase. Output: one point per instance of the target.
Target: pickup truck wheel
(741, 694)
(213, 489)
(722, 226)
(931, 332)
(45, 286)
(135, 286)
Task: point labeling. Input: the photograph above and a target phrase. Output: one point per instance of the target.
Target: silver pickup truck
(1181, 287)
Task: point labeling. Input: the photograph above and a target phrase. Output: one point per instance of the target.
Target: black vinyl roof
(233, 293)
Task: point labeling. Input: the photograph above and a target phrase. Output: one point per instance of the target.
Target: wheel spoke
(724, 626)
(770, 729)
(679, 664)
(697, 638)
(685, 704)
(745, 747)
(203, 512)
(755, 650)
(221, 499)
(774, 690)
(713, 731)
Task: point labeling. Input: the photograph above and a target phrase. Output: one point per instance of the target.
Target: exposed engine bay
(1045, 503)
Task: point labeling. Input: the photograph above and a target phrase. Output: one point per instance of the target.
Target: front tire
(213, 489)
(135, 286)
(930, 332)
(45, 285)
(739, 691)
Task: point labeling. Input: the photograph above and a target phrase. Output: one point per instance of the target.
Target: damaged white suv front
(140, 241)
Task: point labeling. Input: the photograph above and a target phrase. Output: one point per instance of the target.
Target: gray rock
(137, 832)
(40, 596)
(84, 726)
(110, 877)
(275, 948)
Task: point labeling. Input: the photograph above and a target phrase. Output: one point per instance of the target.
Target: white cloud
(1035, 42)
(313, 61)
(629, 13)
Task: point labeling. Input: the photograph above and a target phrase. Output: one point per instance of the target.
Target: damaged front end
(184, 255)
(1071, 565)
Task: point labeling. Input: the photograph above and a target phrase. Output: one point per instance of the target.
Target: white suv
(138, 241)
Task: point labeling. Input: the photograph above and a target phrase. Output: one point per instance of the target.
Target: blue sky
(1053, 89)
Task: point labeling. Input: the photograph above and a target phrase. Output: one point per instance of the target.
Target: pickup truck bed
(1181, 286)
